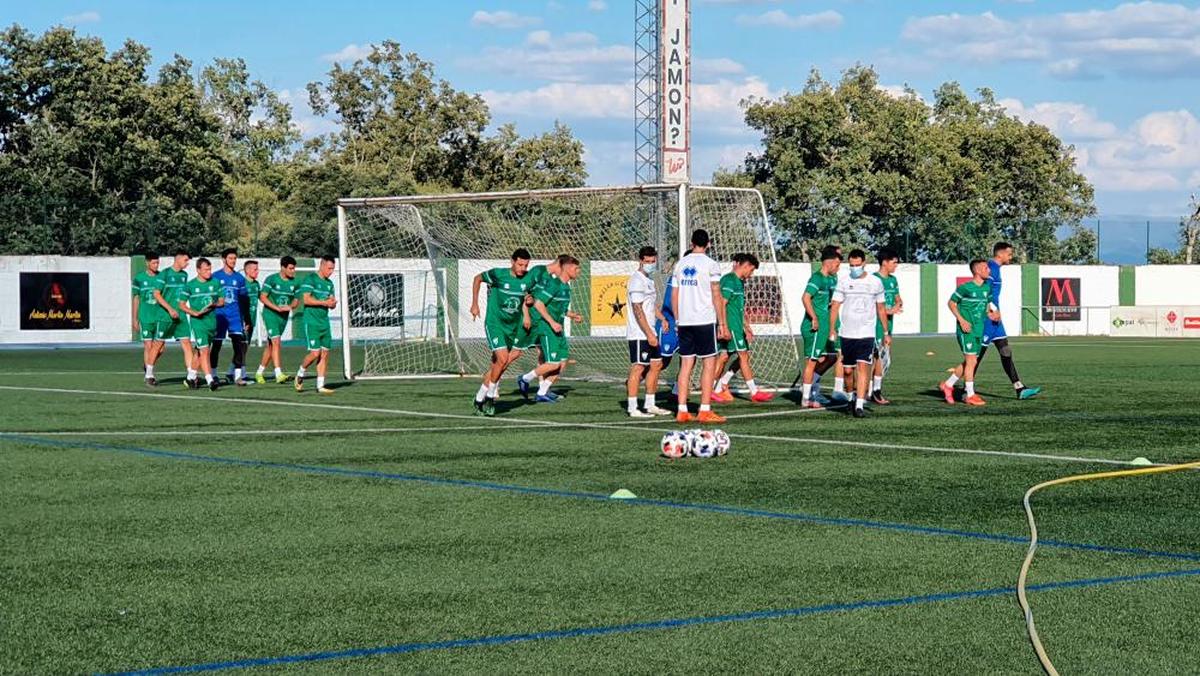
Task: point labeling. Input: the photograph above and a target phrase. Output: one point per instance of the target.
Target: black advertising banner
(377, 300)
(1060, 299)
(54, 301)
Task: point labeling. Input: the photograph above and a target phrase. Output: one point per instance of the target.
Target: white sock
(1018, 385)
(951, 380)
(650, 403)
(970, 388)
(752, 386)
(208, 378)
(260, 370)
(320, 382)
(858, 403)
(839, 384)
(544, 388)
(705, 408)
(300, 372)
(683, 408)
(149, 370)
(807, 391)
(237, 373)
(632, 404)
(191, 374)
(877, 383)
(278, 371)
(529, 377)
(724, 381)
(494, 391)
(482, 393)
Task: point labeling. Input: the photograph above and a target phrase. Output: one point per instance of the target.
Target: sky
(1118, 80)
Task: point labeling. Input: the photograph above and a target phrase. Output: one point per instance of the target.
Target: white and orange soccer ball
(675, 445)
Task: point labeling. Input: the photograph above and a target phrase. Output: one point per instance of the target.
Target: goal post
(408, 262)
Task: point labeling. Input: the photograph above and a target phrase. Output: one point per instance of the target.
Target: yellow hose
(1033, 540)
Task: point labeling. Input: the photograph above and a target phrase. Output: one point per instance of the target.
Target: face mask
(649, 268)
(857, 271)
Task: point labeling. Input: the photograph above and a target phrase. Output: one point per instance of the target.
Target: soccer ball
(723, 441)
(675, 445)
(704, 443)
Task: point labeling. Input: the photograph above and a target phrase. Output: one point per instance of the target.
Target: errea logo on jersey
(689, 272)
(689, 277)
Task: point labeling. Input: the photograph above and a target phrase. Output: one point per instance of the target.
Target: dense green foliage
(854, 164)
(97, 156)
(117, 558)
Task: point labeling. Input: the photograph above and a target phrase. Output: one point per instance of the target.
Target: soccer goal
(408, 264)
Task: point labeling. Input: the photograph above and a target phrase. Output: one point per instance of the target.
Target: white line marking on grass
(509, 422)
(795, 411)
(227, 433)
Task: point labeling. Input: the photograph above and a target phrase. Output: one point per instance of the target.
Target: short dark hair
(202, 262)
(975, 262)
(1000, 246)
(646, 252)
(249, 263)
(700, 237)
(831, 252)
(182, 252)
(858, 253)
(521, 254)
(750, 258)
(150, 257)
(286, 261)
(329, 258)
(567, 259)
(887, 254)
(230, 250)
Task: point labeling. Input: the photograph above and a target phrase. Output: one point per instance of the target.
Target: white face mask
(857, 271)
(649, 268)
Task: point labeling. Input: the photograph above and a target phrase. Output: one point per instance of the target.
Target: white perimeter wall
(1098, 292)
(1168, 284)
(108, 297)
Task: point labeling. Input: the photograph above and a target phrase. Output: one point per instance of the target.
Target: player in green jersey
(969, 304)
(278, 296)
(316, 293)
(174, 278)
(198, 299)
(820, 353)
(888, 261)
(734, 353)
(527, 335)
(552, 303)
(253, 289)
(507, 288)
(152, 315)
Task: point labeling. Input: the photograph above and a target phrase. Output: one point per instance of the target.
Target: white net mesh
(410, 262)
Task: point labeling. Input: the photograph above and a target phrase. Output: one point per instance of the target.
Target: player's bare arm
(719, 305)
(158, 298)
(835, 308)
(966, 325)
(640, 316)
(475, 284)
(812, 313)
(545, 313)
(883, 321)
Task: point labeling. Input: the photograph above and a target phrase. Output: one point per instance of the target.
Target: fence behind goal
(409, 263)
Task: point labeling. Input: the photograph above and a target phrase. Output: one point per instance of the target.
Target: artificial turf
(395, 519)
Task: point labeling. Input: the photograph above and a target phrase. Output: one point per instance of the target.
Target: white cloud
(1071, 121)
(502, 19)
(571, 57)
(1133, 39)
(308, 124)
(82, 17)
(900, 92)
(1194, 180)
(707, 68)
(597, 5)
(351, 52)
(777, 18)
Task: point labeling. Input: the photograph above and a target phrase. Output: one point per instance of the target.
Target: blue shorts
(993, 331)
(668, 339)
(225, 325)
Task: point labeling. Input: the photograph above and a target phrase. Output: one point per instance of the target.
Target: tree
(855, 165)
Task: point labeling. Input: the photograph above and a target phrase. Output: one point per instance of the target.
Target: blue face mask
(857, 271)
(649, 268)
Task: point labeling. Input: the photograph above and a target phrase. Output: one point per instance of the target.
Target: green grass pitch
(384, 529)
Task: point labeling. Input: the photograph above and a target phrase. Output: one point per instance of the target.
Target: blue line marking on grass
(656, 625)
(600, 497)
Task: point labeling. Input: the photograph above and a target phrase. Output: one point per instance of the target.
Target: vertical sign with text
(1060, 299)
(675, 85)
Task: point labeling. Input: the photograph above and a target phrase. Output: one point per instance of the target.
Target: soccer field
(385, 529)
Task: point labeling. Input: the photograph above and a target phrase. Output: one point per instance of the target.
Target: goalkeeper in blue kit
(993, 326)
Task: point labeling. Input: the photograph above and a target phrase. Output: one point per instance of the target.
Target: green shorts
(201, 331)
(526, 340)
(554, 347)
(178, 329)
(501, 336)
(816, 347)
(155, 330)
(275, 324)
(318, 336)
(969, 343)
(737, 341)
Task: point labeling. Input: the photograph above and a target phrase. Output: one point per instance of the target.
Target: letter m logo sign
(1060, 299)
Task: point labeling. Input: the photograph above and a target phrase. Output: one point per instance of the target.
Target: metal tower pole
(646, 97)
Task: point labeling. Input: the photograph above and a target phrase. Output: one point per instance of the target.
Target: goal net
(408, 264)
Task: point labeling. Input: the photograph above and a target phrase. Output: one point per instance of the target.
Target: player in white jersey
(644, 356)
(858, 301)
(700, 317)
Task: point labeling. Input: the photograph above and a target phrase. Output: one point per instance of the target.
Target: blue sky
(1118, 80)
